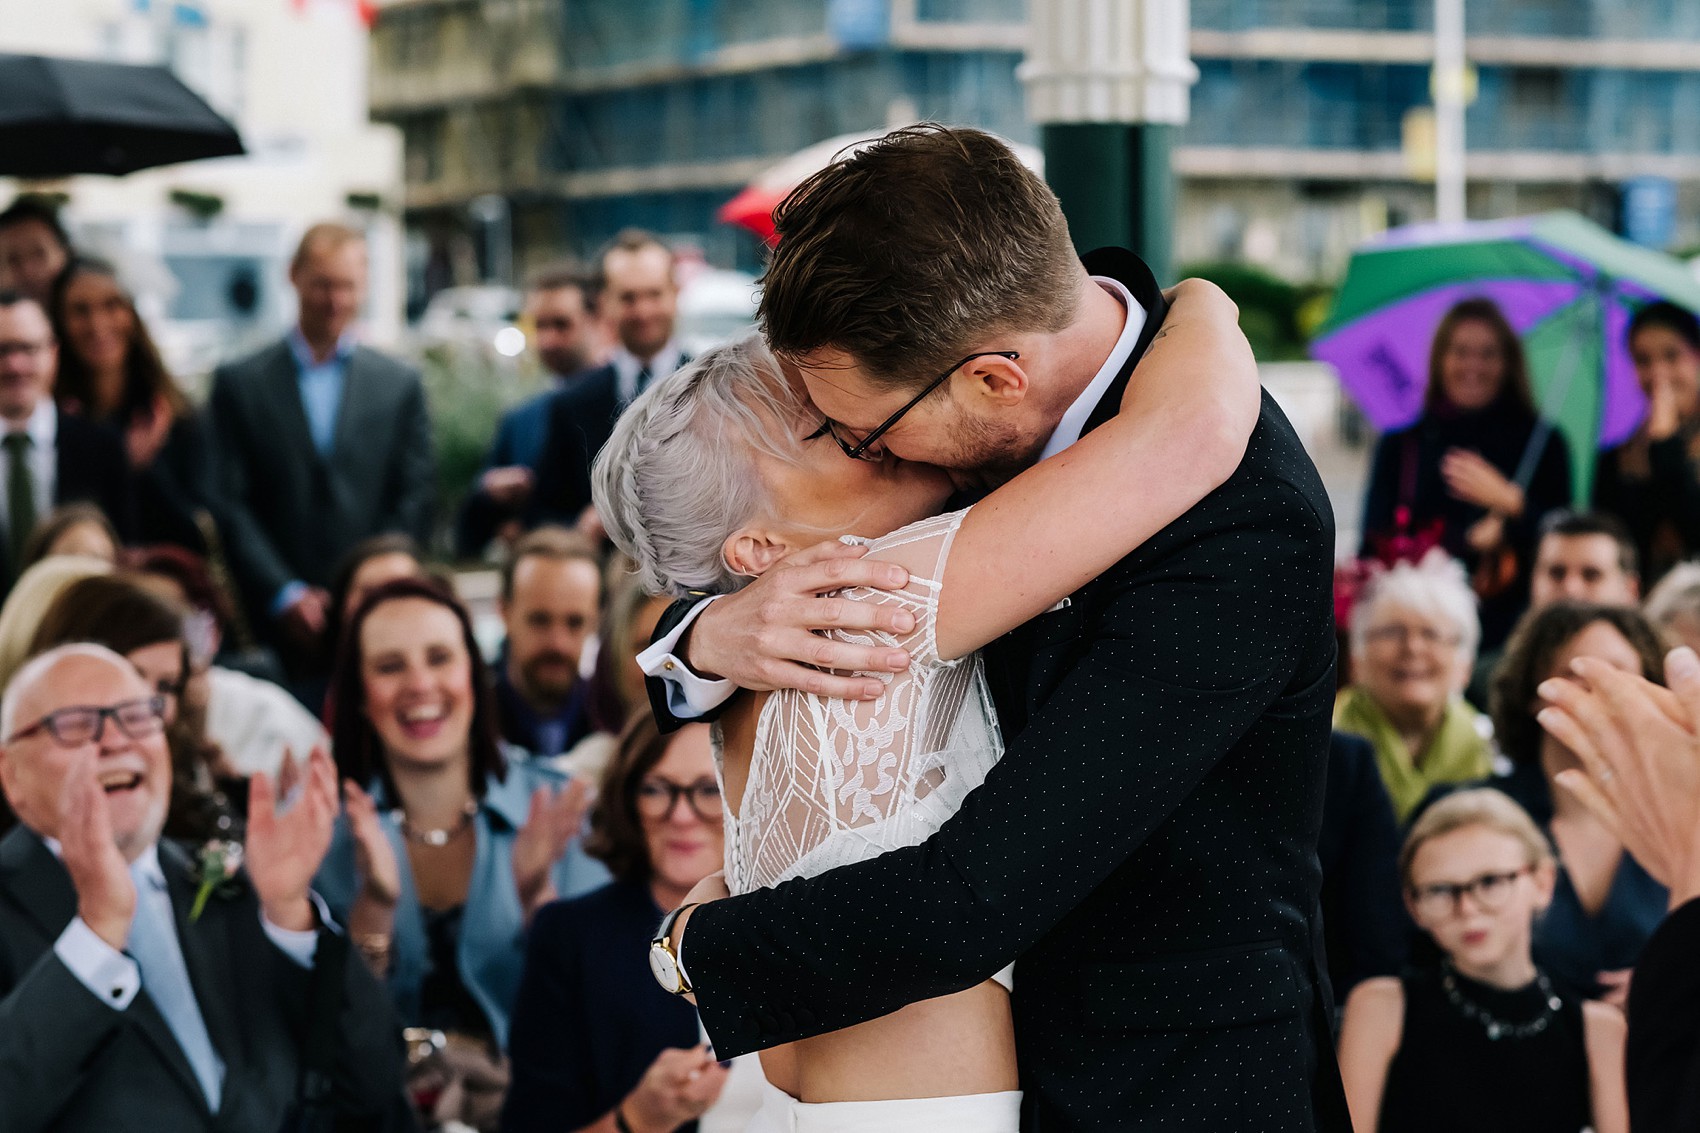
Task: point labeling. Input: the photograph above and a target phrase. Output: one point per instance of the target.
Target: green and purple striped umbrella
(1567, 286)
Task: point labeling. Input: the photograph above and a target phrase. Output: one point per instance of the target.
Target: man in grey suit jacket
(125, 1007)
(319, 444)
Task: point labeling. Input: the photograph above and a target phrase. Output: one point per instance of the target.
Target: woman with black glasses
(1485, 1041)
(596, 1044)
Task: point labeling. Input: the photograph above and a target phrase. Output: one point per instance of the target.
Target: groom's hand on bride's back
(764, 636)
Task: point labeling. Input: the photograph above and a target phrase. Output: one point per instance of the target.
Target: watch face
(662, 966)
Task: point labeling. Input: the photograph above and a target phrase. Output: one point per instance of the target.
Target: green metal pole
(1115, 185)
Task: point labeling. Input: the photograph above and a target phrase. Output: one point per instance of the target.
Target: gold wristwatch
(663, 961)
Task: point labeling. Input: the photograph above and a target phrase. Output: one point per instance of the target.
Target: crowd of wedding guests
(1485, 924)
(375, 871)
(342, 822)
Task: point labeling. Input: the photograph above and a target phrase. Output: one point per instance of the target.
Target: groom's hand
(764, 636)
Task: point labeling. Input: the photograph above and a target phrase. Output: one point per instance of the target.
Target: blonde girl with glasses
(1484, 1041)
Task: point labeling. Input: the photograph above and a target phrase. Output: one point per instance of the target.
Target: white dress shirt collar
(145, 866)
(42, 426)
(1073, 421)
(627, 365)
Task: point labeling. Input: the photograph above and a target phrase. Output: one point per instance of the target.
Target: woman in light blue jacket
(448, 843)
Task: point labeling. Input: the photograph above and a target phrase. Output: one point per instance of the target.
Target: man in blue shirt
(319, 443)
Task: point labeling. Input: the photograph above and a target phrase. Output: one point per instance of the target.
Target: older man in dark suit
(46, 457)
(133, 997)
(319, 443)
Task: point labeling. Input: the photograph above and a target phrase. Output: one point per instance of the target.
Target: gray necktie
(165, 977)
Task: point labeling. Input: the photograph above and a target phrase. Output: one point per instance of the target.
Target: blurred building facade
(206, 244)
(547, 125)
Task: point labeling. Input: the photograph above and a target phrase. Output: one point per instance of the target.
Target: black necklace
(1497, 1028)
(441, 836)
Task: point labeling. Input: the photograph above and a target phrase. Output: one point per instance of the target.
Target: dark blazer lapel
(37, 881)
(282, 407)
(351, 407)
(207, 950)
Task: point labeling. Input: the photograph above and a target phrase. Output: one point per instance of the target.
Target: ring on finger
(1606, 775)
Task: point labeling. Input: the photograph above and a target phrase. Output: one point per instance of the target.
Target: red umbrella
(753, 207)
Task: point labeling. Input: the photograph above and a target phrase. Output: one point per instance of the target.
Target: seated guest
(1484, 1042)
(50, 458)
(1414, 634)
(147, 630)
(110, 373)
(561, 311)
(1365, 927)
(1674, 606)
(1605, 905)
(551, 592)
(449, 844)
(628, 622)
(121, 1006)
(75, 529)
(1652, 480)
(34, 247)
(1581, 557)
(251, 718)
(597, 1045)
(368, 565)
(30, 598)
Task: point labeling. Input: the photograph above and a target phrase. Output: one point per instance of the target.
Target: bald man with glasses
(132, 995)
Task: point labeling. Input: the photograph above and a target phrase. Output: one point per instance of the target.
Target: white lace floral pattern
(833, 782)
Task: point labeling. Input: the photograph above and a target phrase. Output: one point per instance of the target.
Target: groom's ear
(752, 552)
(1001, 381)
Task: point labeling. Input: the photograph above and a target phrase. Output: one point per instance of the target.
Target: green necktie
(20, 495)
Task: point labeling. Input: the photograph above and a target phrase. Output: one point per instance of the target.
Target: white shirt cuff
(112, 976)
(299, 946)
(688, 695)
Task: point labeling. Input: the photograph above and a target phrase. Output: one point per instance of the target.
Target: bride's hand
(763, 637)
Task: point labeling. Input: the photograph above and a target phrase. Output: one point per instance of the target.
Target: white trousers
(969, 1113)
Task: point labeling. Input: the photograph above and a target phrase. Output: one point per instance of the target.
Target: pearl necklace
(1498, 1028)
(441, 836)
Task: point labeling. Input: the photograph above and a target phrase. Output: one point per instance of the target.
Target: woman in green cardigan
(1414, 635)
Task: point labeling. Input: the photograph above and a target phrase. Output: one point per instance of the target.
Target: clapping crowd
(290, 838)
(282, 820)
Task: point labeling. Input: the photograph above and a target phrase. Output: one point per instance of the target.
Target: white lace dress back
(833, 782)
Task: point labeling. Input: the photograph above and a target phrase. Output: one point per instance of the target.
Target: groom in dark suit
(1146, 848)
(125, 1008)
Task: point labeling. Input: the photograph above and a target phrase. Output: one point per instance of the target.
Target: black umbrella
(64, 116)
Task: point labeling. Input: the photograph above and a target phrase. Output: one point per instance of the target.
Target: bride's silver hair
(678, 475)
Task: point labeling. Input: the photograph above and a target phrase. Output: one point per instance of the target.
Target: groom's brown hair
(914, 251)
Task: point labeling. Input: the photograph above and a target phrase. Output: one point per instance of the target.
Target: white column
(1449, 83)
(1108, 61)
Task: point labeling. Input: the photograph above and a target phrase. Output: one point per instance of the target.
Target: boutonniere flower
(215, 871)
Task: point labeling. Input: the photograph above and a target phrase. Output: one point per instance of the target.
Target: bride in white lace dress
(719, 472)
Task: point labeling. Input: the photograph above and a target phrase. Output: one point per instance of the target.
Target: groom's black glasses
(859, 449)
